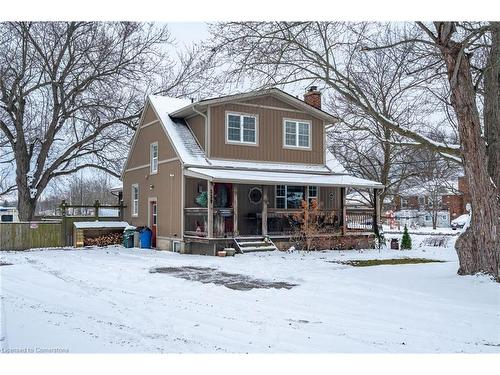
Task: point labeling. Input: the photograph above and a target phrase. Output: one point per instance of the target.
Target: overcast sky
(186, 33)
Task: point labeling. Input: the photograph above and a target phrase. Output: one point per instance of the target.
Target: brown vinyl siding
(270, 136)
(197, 125)
(140, 153)
(149, 115)
(270, 101)
(324, 198)
(166, 189)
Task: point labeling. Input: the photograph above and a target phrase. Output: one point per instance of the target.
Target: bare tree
(367, 147)
(77, 189)
(284, 52)
(71, 94)
(435, 179)
(479, 247)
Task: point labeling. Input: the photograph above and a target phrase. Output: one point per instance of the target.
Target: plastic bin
(146, 236)
(394, 244)
(136, 238)
(128, 237)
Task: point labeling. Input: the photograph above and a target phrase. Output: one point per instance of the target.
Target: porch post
(344, 214)
(210, 209)
(264, 210)
(235, 210)
(376, 209)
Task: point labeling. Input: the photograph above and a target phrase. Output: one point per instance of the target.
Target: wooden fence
(29, 235)
(50, 231)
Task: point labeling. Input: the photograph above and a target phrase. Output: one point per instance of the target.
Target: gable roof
(190, 152)
(192, 156)
(275, 92)
(182, 139)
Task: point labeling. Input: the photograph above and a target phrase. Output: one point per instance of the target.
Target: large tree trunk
(478, 248)
(25, 204)
(492, 105)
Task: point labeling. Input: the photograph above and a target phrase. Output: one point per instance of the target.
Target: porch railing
(195, 221)
(279, 221)
(359, 219)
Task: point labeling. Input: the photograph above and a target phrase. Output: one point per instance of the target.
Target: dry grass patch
(383, 262)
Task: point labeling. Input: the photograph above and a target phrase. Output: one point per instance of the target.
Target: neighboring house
(8, 214)
(413, 218)
(202, 174)
(446, 201)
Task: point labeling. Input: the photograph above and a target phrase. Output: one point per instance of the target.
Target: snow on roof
(4, 208)
(191, 153)
(268, 166)
(109, 212)
(116, 188)
(177, 130)
(443, 186)
(358, 198)
(272, 178)
(100, 224)
(333, 164)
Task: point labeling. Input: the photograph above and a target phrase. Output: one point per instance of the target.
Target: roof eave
(187, 110)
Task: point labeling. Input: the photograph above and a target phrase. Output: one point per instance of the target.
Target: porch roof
(273, 178)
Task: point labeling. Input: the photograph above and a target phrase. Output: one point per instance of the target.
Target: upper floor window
(404, 202)
(135, 199)
(241, 128)
(421, 201)
(153, 157)
(296, 133)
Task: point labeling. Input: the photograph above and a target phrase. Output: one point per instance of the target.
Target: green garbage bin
(128, 237)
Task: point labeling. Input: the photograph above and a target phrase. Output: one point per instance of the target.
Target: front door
(154, 221)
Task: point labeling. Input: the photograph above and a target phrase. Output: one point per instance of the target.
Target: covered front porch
(226, 204)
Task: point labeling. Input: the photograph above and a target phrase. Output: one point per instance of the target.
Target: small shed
(98, 233)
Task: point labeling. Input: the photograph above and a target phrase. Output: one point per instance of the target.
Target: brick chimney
(313, 97)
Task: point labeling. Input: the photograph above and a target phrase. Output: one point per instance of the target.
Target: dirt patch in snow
(5, 264)
(233, 281)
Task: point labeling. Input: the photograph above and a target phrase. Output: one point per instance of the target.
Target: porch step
(249, 246)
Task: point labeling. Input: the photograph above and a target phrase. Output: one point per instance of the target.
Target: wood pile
(103, 240)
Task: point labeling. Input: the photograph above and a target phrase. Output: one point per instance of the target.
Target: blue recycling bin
(145, 236)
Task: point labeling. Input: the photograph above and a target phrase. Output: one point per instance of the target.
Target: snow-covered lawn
(106, 300)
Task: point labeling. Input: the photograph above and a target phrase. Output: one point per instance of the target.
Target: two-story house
(448, 198)
(204, 175)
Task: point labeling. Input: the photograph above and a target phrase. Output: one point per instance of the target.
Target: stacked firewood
(104, 240)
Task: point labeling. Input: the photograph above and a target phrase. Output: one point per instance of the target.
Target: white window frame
(297, 121)
(276, 196)
(153, 161)
(134, 201)
(241, 116)
(404, 202)
(311, 197)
